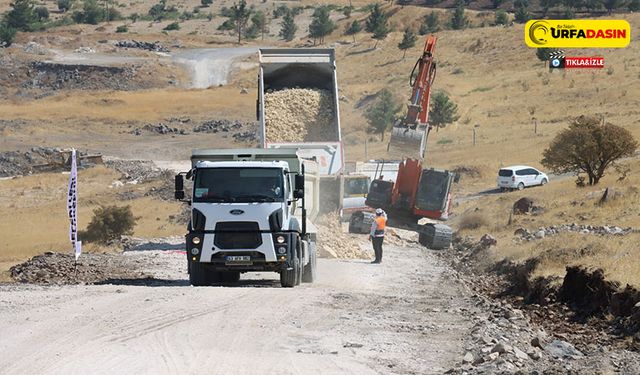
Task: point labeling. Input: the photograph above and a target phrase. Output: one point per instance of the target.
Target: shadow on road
(154, 282)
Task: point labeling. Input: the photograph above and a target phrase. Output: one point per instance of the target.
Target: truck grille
(237, 235)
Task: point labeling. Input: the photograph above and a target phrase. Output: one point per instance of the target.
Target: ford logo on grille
(236, 212)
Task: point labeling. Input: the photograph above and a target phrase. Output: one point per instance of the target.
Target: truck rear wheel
(309, 271)
(198, 275)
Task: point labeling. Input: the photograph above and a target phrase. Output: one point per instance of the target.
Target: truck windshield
(356, 187)
(230, 185)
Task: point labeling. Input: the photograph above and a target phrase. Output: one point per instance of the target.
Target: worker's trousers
(377, 247)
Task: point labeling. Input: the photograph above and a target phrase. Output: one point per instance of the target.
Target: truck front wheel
(198, 275)
(289, 278)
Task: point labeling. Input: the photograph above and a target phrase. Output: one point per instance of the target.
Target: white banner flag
(72, 205)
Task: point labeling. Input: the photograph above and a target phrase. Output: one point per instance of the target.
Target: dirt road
(405, 316)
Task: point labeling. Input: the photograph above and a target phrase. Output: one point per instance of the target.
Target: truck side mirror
(179, 184)
(298, 191)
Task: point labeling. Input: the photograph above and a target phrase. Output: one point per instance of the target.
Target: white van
(519, 177)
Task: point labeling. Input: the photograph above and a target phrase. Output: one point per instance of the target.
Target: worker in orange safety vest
(376, 236)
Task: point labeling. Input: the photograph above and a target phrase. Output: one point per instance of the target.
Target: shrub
(172, 26)
(206, 3)
(64, 5)
(501, 17)
(7, 34)
(472, 221)
(42, 13)
(122, 29)
(108, 224)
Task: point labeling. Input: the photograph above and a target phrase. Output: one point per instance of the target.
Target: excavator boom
(409, 135)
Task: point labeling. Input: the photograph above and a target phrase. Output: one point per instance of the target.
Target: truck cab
(247, 215)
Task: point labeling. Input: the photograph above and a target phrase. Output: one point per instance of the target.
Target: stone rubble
(524, 234)
(153, 47)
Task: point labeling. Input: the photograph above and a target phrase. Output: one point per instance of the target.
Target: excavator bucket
(407, 142)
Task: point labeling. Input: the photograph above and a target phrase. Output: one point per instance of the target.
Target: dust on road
(404, 316)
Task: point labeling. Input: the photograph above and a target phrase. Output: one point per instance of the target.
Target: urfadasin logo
(577, 33)
(539, 33)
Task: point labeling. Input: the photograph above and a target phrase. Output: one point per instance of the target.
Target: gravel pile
(334, 243)
(137, 170)
(216, 126)
(57, 268)
(154, 47)
(158, 129)
(299, 115)
(523, 234)
(37, 159)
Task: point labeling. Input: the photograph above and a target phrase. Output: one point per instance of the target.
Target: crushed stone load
(334, 243)
(56, 268)
(299, 115)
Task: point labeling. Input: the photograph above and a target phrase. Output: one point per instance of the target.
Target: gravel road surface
(402, 317)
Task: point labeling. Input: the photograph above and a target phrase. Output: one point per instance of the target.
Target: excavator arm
(409, 135)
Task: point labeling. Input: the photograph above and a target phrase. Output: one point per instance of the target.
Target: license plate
(235, 259)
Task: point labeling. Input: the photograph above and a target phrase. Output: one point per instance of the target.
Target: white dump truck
(287, 70)
(251, 210)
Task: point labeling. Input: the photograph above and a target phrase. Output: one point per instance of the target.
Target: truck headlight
(195, 240)
(195, 251)
(280, 239)
(282, 250)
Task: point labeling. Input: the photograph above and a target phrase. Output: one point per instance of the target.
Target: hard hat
(379, 211)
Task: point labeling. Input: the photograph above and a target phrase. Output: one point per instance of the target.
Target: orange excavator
(409, 134)
(417, 193)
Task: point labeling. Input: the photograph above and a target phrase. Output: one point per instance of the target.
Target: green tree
(443, 111)
(408, 41)
(543, 53)
(321, 25)
(354, 28)
(109, 224)
(458, 19)
(431, 24)
(592, 5)
(7, 34)
(64, 5)
(501, 17)
(22, 16)
(377, 19)
(588, 146)
(546, 5)
(288, 27)
(280, 11)
(240, 17)
(634, 5)
(382, 113)
(91, 13)
(611, 5)
(259, 22)
(522, 15)
(380, 33)
(347, 11)
(496, 3)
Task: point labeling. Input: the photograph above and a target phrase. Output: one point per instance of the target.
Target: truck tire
(356, 223)
(198, 275)
(300, 266)
(230, 276)
(288, 278)
(309, 271)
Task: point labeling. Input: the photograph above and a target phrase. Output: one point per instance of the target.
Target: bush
(7, 35)
(42, 13)
(206, 3)
(172, 26)
(227, 25)
(64, 5)
(108, 224)
(501, 17)
(459, 20)
(122, 29)
(472, 221)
